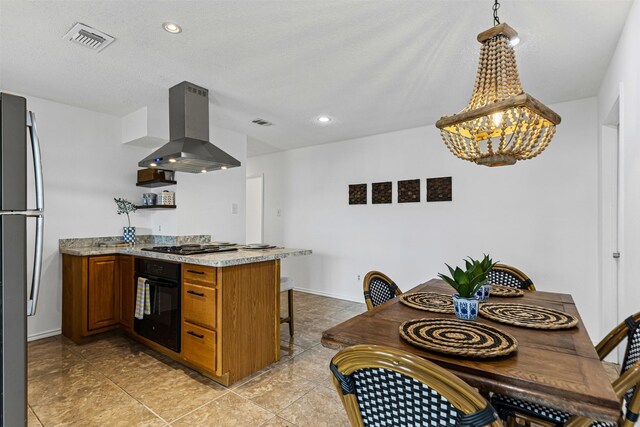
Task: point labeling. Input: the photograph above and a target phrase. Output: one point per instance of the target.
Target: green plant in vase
(126, 207)
(486, 265)
(466, 282)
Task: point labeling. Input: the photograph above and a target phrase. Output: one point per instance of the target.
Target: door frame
(611, 189)
(261, 177)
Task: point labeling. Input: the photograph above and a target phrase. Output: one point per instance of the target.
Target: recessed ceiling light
(203, 171)
(172, 160)
(172, 28)
(514, 41)
(324, 119)
(153, 165)
(223, 167)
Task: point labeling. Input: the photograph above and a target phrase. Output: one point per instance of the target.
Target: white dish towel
(143, 299)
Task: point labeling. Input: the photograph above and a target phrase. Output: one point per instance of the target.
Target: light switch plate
(234, 208)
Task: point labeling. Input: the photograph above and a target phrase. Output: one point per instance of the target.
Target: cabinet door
(103, 284)
(198, 346)
(199, 305)
(127, 291)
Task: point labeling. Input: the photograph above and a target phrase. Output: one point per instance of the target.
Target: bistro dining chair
(382, 386)
(378, 289)
(505, 275)
(626, 387)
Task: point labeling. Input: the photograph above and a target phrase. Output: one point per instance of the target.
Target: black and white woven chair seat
(508, 406)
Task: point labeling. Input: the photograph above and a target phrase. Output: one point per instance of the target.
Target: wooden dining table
(556, 368)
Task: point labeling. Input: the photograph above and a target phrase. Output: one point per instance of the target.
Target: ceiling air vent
(261, 122)
(88, 37)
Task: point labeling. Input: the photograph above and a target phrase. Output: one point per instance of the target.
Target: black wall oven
(163, 324)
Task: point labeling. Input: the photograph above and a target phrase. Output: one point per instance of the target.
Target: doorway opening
(612, 235)
(254, 225)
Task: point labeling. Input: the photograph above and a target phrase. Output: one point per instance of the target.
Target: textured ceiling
(375, 66)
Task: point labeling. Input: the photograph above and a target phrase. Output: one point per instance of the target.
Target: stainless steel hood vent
(189, 149)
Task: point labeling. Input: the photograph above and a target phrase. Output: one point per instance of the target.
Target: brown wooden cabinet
(97, 294)
(127, 291)
(103, 293)
(230, 324)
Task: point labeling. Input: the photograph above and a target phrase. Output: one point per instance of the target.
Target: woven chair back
(505, 275)
(378, 288)
(383, 386)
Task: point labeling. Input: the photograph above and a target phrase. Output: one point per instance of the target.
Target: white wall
(86, 165)
(623, 80)
(540, 215)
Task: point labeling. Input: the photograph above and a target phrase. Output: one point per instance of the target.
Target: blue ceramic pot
(465, 308)
(129, 234)
(483, 292)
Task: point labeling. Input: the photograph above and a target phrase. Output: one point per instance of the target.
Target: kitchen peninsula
(217, 313)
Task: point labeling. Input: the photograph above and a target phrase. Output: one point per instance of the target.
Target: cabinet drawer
(199, 274)
(199, 305)
(199, 346)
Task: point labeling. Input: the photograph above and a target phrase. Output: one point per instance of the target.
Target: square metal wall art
(409, 191)
(358, 194)
(439, 189)
(381, 192)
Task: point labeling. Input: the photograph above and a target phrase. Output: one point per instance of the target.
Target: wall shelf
(158, 182)
(156, 207)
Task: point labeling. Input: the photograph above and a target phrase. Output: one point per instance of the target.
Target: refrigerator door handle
(32, 302)
(37, 160)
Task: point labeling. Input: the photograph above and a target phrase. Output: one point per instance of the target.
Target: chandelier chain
(496, 19)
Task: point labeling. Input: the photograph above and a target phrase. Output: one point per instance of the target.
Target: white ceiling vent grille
(89, 37)
(261, 122)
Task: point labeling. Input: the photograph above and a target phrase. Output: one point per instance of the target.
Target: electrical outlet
(234, 208)
(358, 277)
(159, 228)
(278, 212)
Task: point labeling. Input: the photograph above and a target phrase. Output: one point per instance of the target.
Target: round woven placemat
(458, 337)
(428, 301)
(505, 291)
(527, 316)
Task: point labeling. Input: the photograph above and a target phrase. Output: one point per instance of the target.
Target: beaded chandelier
(502, 124)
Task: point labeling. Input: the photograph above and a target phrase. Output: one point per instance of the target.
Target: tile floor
(115, 381)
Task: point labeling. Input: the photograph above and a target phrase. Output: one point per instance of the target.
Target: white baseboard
(330, 295)
(45, 334)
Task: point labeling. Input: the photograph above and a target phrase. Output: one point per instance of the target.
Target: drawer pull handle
(195, 272)
(195, 293)
(195, 335)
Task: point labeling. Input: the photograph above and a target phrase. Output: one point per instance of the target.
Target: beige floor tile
(228, 410)
(313, 365)
(128, 369)
(48, 358)
(86, 398)
(55, 386)
(321, 407)
(111, 345)
(32, 420)
(175, 393)
(278, 422)
(301, 338)
(130, 414)
(275, 389)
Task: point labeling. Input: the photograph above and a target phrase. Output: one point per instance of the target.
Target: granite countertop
(222, 259)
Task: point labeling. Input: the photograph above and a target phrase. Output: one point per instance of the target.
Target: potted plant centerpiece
(466, 282)
(486, 264)
(126, 207)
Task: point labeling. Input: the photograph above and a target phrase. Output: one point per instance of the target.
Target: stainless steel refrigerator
(19, 294)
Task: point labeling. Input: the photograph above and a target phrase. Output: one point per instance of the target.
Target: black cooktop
(191, 249)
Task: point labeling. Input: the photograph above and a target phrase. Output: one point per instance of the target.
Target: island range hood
(189, 149)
